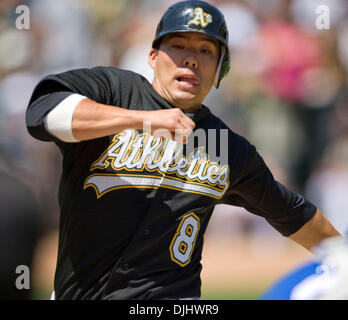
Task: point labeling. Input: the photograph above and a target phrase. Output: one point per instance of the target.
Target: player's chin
(187, 94)
(185, 99)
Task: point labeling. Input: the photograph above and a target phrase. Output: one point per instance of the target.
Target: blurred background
(286, 92)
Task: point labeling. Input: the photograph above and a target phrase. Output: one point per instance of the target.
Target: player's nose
(190, 61)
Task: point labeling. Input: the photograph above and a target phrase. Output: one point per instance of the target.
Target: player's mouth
(187, 81)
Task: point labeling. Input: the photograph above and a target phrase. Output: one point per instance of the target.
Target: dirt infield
(243, 264)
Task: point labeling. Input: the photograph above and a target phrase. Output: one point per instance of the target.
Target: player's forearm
(314, 231)
(78, 118)
(93, 120)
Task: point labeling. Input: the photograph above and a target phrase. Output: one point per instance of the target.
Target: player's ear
(152, 58)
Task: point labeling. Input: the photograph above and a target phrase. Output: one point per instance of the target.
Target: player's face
(184, 68)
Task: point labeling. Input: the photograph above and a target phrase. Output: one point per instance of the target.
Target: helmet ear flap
(223, 66)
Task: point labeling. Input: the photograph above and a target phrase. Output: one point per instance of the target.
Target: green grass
(41, 294)
(231, 295)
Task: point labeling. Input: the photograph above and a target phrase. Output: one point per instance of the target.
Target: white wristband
(58, 121)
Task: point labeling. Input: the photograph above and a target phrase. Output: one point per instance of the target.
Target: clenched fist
(169, 123)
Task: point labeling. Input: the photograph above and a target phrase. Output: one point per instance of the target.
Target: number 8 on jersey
(183, 243)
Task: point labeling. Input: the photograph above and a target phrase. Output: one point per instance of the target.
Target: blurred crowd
(286, 92)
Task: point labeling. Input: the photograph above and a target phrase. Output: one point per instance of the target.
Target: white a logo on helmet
(201, 18)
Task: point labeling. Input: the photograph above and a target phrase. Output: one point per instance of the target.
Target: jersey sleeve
(254, 188)
(98, 84)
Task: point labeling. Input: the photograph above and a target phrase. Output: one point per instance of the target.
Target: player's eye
(206, 51)
(178, 46)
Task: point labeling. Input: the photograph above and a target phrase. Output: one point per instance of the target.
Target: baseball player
(135, 200)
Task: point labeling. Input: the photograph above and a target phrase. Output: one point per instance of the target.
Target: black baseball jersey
(134, 207)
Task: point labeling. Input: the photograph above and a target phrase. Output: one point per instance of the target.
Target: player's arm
(78, 118)
(315, 230)
(79, 105)
(92, 120)
(288, 212)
